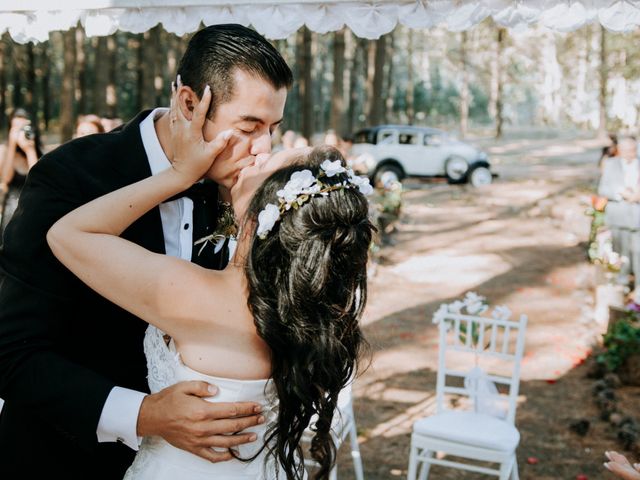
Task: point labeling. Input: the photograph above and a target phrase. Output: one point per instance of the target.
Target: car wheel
(480, 176)
(455, 169)
(387, 174)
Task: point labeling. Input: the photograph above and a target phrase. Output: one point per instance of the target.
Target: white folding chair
(343, 425)
(479, 433)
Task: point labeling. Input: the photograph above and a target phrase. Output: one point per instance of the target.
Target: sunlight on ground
(454, 270)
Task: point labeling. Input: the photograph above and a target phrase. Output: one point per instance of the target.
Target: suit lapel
(132, 164)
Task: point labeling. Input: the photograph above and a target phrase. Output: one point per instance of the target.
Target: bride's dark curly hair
(307, 290)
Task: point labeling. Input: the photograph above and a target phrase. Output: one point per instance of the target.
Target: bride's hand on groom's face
(192, 154)
(181, 416)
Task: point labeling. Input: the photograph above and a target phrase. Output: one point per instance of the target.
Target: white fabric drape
(32, 20)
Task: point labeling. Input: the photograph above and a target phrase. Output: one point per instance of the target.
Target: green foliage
(622, 341)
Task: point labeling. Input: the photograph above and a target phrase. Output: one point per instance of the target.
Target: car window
(386, 137)
(433, 139)
(365, 136)
(407, 139)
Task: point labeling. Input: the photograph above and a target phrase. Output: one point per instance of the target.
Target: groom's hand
(181, 416)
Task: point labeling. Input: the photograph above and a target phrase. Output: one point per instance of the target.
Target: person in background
(22, 151)
(301, 142)
(331, 139)
(110, 123)
(620, 184)
(287, 140)
(608, 151)
(88, 125)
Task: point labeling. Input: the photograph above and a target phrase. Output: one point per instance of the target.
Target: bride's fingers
(229, 441)
(213, 456)
(200, 111)
(215, 146)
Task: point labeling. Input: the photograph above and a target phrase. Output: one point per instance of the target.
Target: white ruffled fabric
(278, 19)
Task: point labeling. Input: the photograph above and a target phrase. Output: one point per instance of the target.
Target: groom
(73, 372)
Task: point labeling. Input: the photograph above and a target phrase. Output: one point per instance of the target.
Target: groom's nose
(262, 144)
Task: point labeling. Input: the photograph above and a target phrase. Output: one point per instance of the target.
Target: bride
(278, 326)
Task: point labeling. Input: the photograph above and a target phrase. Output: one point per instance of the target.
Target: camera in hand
(29, 134)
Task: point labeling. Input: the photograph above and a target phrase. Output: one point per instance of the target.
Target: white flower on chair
(475, 303)
(501, 312)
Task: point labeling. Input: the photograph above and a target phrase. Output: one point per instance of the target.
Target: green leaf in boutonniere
(226, 227)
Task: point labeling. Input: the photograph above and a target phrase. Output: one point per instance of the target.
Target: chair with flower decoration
(485, 430)
(343, 425)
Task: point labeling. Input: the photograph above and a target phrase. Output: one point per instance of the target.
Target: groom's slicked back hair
(215, 52)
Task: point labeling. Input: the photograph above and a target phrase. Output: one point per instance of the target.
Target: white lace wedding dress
(158, 460)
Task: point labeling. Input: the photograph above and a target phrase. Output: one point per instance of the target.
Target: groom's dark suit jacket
(63, 347)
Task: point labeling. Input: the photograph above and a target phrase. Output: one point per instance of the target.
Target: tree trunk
(147, 67)
(389, 86)
(111, 92)
(81, 68)
(369, 57)
(161, 41)
(66, 95)
(44, 84)
(17, 56)
(602, 98)
(464, 87)
(337, 91)
(102, 72)
(30, 84)
(495, 106)
(352, 95)
(306, 88)
(410, 81)
(3, 83)
(376, 104)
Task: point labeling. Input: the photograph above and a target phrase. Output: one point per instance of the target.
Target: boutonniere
(226, 228)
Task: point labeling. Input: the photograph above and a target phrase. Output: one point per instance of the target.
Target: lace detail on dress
(162, 364)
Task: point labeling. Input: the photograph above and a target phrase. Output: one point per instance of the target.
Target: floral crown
(302, 186)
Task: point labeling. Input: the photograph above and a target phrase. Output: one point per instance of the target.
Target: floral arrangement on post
(386, 206)
(600, 250)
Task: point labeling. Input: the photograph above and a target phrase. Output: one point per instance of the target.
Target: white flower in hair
(298, 183)
(332, 168)
(267, 218)
(361, 182)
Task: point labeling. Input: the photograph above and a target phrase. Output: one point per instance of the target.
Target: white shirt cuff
(119, 417)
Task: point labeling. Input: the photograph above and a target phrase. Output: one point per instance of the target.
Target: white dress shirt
(631, 174)
(119, 416)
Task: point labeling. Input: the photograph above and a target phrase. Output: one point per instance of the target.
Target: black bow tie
(206, 191)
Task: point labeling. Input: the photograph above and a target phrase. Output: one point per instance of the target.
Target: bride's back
(229, 345)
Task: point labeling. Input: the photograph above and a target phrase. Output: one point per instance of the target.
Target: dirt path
(519, 242)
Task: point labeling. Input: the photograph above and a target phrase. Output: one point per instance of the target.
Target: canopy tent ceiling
(33, 20)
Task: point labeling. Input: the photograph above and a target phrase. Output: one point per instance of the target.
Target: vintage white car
(393, 152)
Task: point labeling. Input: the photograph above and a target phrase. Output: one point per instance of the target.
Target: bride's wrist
(181, 179)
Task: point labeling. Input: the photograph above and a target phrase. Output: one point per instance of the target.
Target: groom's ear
(187, 100)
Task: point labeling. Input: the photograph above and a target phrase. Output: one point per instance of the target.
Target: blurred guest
(88, 125)
(344, 145)
(288, 139)
(331, 138)
(285, 141)
(110, 123)
(22, 151)
(301, 142)
(609, 151)
(620, 184)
